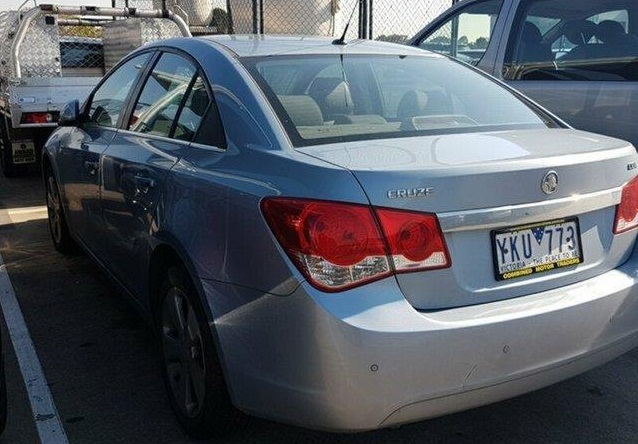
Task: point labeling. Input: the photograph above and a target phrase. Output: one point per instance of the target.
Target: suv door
(578, 59)
(163, 121)
(470, 31)
(81, 151)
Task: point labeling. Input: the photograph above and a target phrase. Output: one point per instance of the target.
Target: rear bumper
(365, 358)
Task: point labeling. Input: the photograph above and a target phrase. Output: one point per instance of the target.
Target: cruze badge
(408, 193)
(549, 184)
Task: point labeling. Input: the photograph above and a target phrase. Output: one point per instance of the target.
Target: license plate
(23, 151)
(538, 248)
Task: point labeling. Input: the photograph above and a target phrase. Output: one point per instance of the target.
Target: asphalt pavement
(100, 362)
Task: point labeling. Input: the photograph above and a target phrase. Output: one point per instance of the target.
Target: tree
(220, 21)
(441, 39)
(480, 43)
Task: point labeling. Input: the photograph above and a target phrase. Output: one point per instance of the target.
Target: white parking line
(45, 414)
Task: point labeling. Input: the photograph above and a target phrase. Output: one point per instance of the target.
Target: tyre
(62, 240)
(3, 394)
(192, 372)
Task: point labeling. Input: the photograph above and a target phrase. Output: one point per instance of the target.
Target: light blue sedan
(346, 236)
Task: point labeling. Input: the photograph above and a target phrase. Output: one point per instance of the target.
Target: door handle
(143, 184)
(91, 167)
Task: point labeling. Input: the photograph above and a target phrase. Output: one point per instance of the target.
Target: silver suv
(578, 59)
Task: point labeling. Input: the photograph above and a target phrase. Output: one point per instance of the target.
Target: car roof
(269, 45)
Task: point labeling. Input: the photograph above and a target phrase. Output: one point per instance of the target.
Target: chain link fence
(398, 20)
(389, 20)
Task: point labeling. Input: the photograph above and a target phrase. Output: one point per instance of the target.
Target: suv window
(573, 40)
(159, 103)
(108, 100)
(466, 35)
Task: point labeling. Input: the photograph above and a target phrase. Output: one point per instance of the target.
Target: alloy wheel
(54, 208)
(182, 347)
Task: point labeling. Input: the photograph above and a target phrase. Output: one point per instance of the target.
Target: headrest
(531, 33)
(579, 32)
(413, 103)
(610, 31)
(332, 94)
(303, 110)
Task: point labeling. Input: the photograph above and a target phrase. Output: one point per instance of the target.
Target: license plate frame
(536, 264)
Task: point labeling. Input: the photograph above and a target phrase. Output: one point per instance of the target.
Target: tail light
(627, 210)
(415, 240)
(338, 245)
(38, 118)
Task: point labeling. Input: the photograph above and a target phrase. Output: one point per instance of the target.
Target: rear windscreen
(329, 98)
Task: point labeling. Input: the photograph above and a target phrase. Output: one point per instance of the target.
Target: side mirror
(70, 115)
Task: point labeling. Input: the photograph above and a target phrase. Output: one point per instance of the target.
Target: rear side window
(467, 34)
(162, 95)
(574, 40)
(194, 109)
(108, 100)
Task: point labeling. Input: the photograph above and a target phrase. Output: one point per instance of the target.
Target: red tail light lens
(415, 240)
(340, 234)
(338, 245)
(627, 210)
(38, 118)
(334, 245)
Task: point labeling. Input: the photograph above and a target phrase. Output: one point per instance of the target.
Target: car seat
(531, 48)
(332, 94)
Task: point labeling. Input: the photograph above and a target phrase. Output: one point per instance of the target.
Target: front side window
(107, 102)
(573, 40)
(332, 99)
(466, 35)
(156, 110)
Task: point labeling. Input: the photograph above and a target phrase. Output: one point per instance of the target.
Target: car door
(582, 63)
(469, 31)
(161, 124)
(81, 151)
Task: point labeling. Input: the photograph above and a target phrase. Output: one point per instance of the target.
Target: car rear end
(494, 256)
(433, 320)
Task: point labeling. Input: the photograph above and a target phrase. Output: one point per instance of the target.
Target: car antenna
(342, 40)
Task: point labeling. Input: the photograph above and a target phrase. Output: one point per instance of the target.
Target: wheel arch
(169, 252)
(46, 161)
(166, 253)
